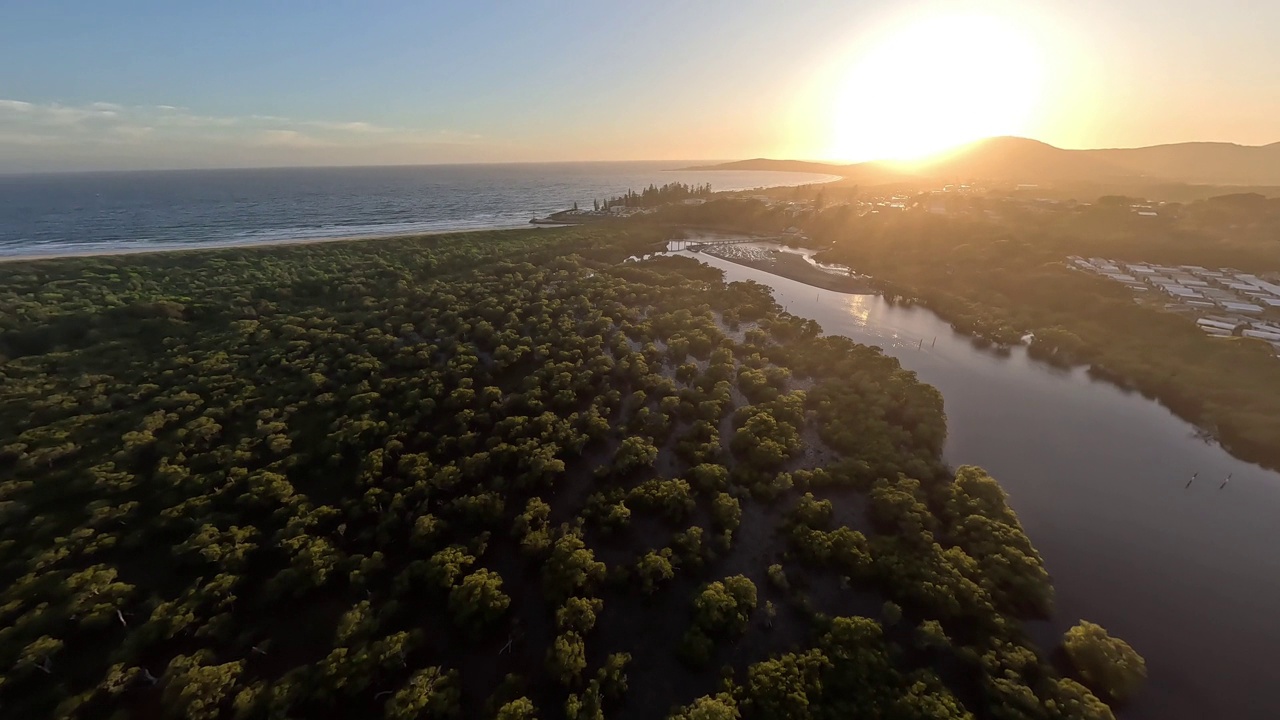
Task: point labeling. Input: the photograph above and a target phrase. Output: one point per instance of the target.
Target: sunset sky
(94, 85)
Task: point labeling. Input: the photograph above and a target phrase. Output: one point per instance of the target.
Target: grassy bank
(795, 267)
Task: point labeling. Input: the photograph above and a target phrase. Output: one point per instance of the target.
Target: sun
(935, 83)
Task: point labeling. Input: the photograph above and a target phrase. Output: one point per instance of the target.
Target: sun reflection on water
(860, 308)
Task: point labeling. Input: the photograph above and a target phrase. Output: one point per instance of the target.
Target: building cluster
(1224, 302)
(891, 203)
(611, 211)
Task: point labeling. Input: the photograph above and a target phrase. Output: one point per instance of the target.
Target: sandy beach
(258, 243)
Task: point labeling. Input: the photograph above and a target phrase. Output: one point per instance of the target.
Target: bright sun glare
(935, 83)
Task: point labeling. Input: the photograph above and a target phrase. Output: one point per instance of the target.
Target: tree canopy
(1107, 665)
(505, 474)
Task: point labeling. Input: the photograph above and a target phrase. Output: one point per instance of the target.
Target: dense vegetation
(496, 475)
(1106, 663)
(997, 269)
(656, 195)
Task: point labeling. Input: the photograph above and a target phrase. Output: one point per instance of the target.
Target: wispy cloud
(103, 135)
(28, 139)
(174, 117)
(356, 127)
(132, 131)
(290, 138)
(23, 122)
(21, 115)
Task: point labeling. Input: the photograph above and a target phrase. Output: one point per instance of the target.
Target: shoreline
(1227, 442)
(5, 259)
(550, 221)
(794, 267)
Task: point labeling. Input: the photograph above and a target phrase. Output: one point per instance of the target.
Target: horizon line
(233, 168)
(840, 163)
(705, 163)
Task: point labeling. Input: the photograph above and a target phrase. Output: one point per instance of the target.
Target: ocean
(85, 213)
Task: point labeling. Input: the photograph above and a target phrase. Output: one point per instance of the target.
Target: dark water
(96, 212)
(1189, 577)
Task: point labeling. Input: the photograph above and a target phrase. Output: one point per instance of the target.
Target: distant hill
(1021, 160)
(776, 166)
(870, 173)
(1201, 162)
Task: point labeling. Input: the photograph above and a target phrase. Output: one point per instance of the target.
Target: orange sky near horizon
(937, 75)
(422, 83)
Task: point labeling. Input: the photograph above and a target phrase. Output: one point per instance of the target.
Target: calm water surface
(1189, 577)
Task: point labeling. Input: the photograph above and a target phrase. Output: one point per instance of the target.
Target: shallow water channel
(1189, 576)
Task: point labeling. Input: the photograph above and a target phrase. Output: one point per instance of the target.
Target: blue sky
(165, 84)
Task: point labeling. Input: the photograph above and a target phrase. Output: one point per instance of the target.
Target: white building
(1207, 323)
(1262, 335)
(1242, 307)
(1254, 280)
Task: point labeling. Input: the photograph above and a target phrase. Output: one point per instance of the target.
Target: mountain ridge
(1025, 160)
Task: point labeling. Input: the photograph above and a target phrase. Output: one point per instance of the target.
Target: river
(1188, 576)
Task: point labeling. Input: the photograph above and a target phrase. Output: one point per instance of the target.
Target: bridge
(696, 245)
